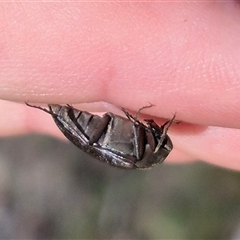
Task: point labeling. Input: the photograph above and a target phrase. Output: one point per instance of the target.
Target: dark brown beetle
(122, 142)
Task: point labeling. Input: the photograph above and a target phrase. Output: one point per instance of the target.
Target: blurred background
(51, 189)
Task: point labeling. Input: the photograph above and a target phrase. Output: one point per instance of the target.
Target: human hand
(181, 57)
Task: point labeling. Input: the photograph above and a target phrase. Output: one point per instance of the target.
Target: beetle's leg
(139, 110)
(168, 124)
(128, 115)
(135, 119)
(70, 106)
(164, 132)
(41, 108)
(162, 128)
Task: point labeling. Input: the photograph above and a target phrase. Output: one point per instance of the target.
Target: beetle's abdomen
(119, 136)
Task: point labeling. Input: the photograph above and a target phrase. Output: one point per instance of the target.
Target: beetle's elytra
(122, 142)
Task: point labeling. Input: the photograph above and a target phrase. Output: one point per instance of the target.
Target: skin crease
(181, 57)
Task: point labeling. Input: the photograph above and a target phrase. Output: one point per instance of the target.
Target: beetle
(122, 142)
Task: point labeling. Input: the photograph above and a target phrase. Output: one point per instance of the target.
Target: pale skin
(182, 57)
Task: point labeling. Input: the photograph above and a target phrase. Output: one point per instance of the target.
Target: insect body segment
(122, 142)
